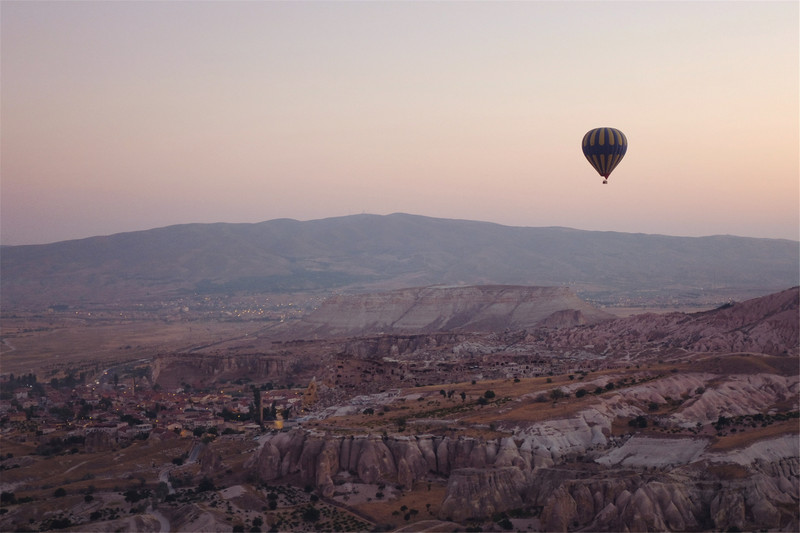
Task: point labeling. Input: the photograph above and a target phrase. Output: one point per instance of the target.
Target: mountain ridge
(383, 252)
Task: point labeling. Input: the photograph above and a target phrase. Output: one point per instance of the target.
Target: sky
(124, 116)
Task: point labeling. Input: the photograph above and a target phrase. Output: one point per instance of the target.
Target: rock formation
(616, 494)
(174, 370)
(480, 492)
(768, 325)
(429, 309)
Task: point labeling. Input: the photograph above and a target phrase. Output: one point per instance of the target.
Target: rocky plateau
(495, 407)
(693, 427)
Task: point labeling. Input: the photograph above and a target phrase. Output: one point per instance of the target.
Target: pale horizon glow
(124, 116)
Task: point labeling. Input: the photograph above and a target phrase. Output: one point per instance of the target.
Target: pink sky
(122, 116)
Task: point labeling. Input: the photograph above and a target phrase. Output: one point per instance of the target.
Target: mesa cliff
(428, 309)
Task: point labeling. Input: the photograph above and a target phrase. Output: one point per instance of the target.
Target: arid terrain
(402, 373)
(471, 408)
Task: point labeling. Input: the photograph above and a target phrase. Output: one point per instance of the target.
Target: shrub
(506, 524)
(557, 394)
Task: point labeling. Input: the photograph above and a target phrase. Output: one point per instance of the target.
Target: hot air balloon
(604, 148)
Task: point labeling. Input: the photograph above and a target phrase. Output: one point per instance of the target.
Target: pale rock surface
(645, 452)
(428, 309)
(480, 492)
(764, 451)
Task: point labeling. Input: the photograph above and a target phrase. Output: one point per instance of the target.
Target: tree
(256, 408)
(638, 422)
(104, 403)
(205, 485)
(311, 514)
(162, 490)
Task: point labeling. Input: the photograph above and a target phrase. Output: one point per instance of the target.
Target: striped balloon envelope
(604, 148)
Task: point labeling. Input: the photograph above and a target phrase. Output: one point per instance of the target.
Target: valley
(399, 373)
(570, 420)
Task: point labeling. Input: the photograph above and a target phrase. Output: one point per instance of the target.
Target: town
(109, 412)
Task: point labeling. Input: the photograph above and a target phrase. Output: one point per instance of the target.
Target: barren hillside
(763, 325)
(369, 253)
(421, 310)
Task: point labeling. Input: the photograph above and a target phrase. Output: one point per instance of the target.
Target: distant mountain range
(372, 253)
